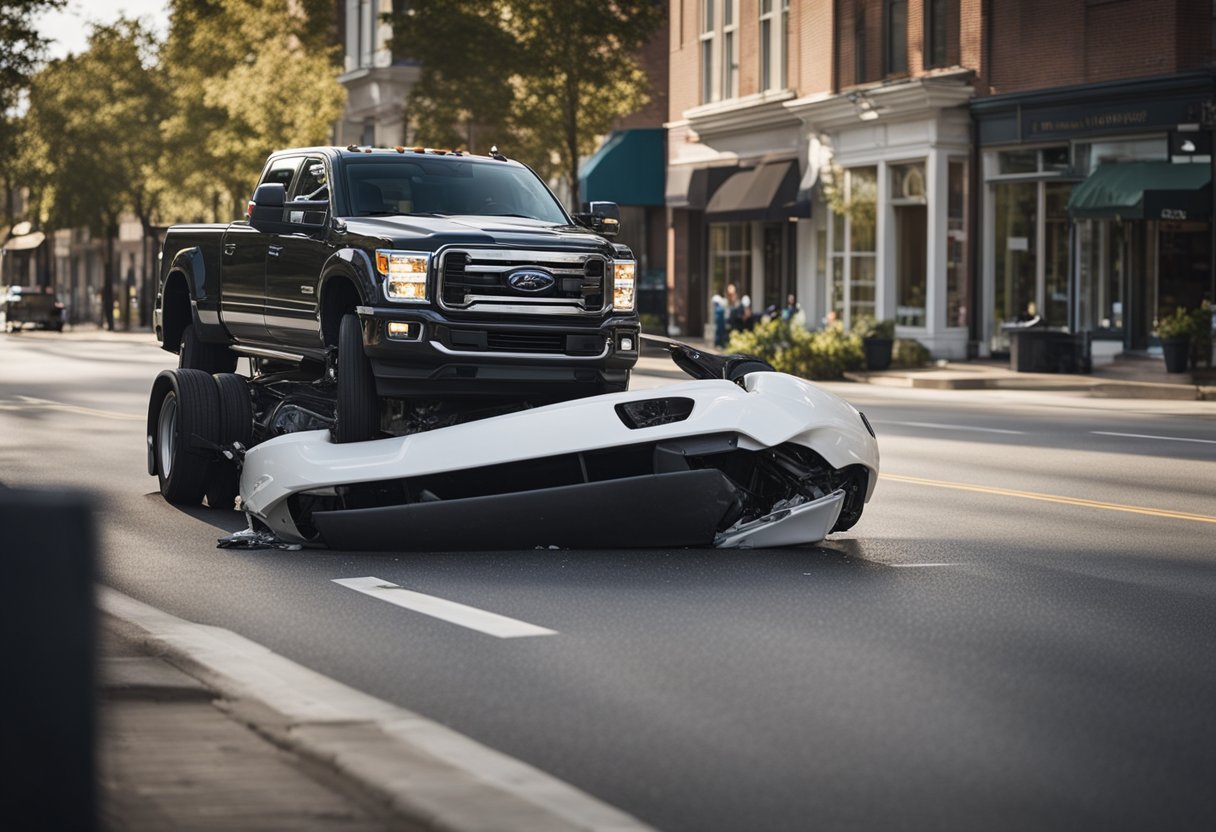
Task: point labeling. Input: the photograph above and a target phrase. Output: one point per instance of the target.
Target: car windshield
(417, 185)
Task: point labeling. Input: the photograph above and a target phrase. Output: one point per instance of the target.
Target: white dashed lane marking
(482, 621)
(1150, 436)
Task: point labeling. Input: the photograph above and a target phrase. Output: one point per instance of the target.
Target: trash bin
(1037, 349)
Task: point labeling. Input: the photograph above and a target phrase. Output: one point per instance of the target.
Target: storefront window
(1015, 247)
(730, 257)
(853, 253)
(911, 243)
(1055, 265)
(1018, 161)
(957, 284)
(1102, 268)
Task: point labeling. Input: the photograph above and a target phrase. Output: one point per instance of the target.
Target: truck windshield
(414, 185)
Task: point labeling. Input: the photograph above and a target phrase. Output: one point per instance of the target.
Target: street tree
(245, 78)
(93, 128)
(561, 73)
(22, 49)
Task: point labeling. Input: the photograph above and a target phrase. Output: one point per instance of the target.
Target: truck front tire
(357, 415)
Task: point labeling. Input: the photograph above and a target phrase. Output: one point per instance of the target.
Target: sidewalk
(173, 755)
(1124, 378)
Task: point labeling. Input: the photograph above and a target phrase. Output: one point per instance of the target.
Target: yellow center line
(1050, 498)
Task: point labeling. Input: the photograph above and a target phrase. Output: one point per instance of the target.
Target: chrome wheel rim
(167, 433)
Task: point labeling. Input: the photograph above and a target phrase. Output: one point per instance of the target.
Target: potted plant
(877, 339)
(1174, 332)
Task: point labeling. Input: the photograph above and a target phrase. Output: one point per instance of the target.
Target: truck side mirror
(266, 208)
(268, 214)
(604, 218)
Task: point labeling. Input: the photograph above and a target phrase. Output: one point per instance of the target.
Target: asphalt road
(1019, 634)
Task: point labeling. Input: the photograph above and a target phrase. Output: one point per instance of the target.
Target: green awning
(1144, 191)
(628, 169)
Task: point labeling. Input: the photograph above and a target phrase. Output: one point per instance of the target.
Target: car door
(293, 265)
(243, 265)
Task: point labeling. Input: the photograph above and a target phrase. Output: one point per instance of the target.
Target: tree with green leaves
(22, 50)
(93, 128)
(549, 77)
(247, 77)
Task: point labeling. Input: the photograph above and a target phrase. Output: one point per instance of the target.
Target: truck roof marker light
(367, 150)
(420, 150)
(352, 147)
(399, 149)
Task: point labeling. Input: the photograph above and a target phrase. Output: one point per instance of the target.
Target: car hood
(431, 232)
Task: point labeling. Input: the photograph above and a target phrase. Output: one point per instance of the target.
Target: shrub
(908, 354)
(866, 327)
(1178, 325)
(825, 354)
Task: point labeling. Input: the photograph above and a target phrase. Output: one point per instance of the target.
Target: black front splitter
(684, 508)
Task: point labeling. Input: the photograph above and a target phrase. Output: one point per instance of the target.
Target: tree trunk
(107, 285)
(572, 139)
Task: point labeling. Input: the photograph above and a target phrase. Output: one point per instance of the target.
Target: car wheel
(196, 354)
(357, 412)
(235, 425)
(188, 415)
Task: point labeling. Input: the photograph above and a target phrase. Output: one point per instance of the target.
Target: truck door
(293, 266)
(243, 267)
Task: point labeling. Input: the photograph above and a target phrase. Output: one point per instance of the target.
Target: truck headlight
(404, 273)
(623, 272)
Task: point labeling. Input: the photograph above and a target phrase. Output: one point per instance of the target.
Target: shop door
(776, 279)
(1139, 278)
(1183, 266)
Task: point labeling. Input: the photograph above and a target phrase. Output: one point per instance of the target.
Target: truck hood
(429, 233)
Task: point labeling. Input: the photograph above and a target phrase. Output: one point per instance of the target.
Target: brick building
(954, 165)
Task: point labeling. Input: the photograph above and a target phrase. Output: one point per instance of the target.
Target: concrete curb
(1096, 387)
(431, 775)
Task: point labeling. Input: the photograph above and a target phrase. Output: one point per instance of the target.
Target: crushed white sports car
(742, 456)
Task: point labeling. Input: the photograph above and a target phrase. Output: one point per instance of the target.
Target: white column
(937, 181)
(884, 258)
(809, 293)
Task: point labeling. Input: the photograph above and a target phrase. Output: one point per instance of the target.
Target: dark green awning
(1144, 191)
(627, 170)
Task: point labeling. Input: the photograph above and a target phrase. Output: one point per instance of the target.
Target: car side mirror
(271, 213)
(604, 218)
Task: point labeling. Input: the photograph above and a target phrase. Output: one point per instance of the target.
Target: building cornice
(889, 102)
(397, 73)
(749, 114)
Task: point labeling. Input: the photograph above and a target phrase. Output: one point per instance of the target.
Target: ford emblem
(530, 280)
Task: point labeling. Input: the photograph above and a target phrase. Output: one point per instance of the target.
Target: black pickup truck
(405, 274)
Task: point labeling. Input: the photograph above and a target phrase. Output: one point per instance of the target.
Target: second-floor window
(719, 50)
(895, 37)
(774, 43)
(935, 33)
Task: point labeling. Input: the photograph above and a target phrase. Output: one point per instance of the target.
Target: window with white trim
(774, 43)
(719, 50)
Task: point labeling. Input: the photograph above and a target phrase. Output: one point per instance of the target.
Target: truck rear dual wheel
(191, 414)
(235, 425)
(187, 420)
(357, 412)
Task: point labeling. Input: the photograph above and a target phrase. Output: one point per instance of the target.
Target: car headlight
(623, 273)
(404, 273)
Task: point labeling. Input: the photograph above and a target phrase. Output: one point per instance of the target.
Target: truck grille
(563, 282)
